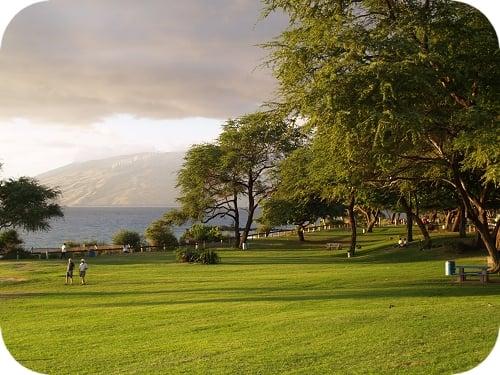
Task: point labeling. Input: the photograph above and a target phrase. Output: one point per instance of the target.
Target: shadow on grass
(443, 288)
(387, 293)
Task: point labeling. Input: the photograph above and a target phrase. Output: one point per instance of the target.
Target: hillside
(146, 179)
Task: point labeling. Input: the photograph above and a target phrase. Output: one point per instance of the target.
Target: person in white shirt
(63, 251)
(83, 269)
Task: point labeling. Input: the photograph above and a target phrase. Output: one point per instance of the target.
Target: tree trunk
(496, 234)
(373, 221)
(456, 221)
(251, 210)
(423, 229)
(409, 219)
(463, 221)
(352, 223)
(236, 228)
(447, 220)
(393, 217)
(477, 214)
(300, 233)
(248, 226)
(398, 217)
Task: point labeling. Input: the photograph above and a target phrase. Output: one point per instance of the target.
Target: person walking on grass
(83, 269)
(69, 272)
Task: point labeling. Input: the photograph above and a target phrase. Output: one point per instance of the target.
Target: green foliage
(208, 257)
(186, 255)
(238, 165)
(24, 203)
(395, 93)
(159, 233)
(199, 233)
(10, 241)
(127, 237)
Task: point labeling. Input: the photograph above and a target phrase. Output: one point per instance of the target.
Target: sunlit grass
(280, 307)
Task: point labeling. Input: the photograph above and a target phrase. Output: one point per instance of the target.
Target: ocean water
(99, 223)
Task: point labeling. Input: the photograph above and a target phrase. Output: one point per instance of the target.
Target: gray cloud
(76, 61)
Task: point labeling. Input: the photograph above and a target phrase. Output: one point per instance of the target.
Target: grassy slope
(281, 307)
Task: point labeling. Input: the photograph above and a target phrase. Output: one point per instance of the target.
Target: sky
(89, 79)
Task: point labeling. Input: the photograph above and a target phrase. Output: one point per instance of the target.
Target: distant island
(138, 180)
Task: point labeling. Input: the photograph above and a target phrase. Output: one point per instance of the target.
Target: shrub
(208, 257)
(187, 255)
(10, 241)
(127, 237)
(197, 256)
(159, 233)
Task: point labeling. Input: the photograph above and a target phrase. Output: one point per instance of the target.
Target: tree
(414, 80)
(159, 233)
(9, 241)
(199, 233)
(127, 237)
(209, 187)
(216, 179)
(295, 200)
(253, 145)
(26, 204)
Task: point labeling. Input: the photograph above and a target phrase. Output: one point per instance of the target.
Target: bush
(10, 241)
(187, 255)
(159, 233)
(201, 233)
(208, 257)
(127, 237)
(197, 256)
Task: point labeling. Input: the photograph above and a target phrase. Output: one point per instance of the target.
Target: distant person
(63, 251)
(83, 270)
(400, 242)
(69, 272)
(405, 242)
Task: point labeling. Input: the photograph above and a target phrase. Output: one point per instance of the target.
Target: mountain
(146, 179)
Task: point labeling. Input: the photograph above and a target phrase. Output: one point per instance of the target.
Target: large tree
(415, 80)
(28, 205)
(210, 188)
(235, 172)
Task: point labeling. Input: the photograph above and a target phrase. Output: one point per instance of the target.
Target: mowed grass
(280, 307)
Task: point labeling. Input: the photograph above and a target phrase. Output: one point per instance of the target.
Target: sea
(81, 224)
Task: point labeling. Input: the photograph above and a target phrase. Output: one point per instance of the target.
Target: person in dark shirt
(69, 272)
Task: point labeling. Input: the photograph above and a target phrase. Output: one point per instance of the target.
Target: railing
(92, 251)
(290, 232)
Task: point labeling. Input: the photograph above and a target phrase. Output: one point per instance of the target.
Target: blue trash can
(449, 268)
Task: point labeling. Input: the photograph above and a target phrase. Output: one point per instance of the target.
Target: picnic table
(333, 246)
(463, 271)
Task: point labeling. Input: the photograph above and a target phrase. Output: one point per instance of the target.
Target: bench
(466, 270)
(333, 246)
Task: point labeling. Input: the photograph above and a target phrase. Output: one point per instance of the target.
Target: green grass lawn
(281, 307)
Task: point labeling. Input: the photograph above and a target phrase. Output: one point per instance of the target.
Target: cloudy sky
(87, 79)
(84, 79)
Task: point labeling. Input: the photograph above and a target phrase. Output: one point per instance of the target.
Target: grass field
(281, 307)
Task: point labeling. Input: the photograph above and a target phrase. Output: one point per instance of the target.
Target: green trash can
(449, 268)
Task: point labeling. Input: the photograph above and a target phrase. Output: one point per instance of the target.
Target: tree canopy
(26, 204)
(396, 92)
